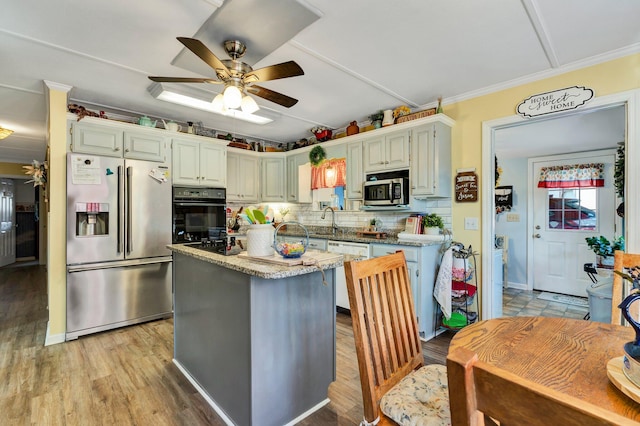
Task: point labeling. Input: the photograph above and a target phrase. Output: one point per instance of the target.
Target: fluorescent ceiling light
(194, 98)
(4, 133)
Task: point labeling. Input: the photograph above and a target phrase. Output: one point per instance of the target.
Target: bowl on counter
(290, 250)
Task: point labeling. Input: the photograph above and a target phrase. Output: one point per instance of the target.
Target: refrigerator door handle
(120, 211)
(129, 210)
(123, 264)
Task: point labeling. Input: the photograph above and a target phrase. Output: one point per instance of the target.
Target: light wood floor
(125, 376)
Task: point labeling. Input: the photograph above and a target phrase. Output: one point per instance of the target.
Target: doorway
(562, 218)
(628, 101)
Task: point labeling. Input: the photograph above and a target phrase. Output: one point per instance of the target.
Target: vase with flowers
(38, 173)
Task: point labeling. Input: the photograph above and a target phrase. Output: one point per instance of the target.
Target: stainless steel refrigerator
(118, 227)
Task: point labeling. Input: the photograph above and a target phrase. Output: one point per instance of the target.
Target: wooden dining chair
(396, 387)
(482, 394)
(622, 287)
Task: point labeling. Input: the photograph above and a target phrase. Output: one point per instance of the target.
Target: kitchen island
(256, 340)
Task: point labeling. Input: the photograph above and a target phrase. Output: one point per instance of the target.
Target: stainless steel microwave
(386, 192)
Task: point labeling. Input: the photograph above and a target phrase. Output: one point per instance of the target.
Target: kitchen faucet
(334, 227)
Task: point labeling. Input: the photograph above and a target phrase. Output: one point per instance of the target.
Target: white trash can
(600, 295)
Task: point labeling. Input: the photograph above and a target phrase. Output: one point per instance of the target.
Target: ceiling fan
(237, 76)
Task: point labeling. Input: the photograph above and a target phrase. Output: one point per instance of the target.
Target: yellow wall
(56, 260)
(605, 79)
(12, 169)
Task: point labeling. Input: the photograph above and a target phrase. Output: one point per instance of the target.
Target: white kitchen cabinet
(243, 176)
(355, 173)
(96, 139)
(386, 152)
(421, 264)
(145, 145)
(431, 161)
(118, 140)
(198, 163)
(293, 182)
(273, 179)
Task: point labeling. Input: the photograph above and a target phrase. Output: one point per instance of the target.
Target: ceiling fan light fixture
(232, 97)
(249, 105)
(5, 133)
(218, 103)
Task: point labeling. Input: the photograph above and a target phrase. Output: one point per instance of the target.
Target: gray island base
(256, 340)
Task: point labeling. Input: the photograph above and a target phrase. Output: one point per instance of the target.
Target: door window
(572, 209)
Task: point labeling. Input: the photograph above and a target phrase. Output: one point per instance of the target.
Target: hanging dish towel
(442, 289)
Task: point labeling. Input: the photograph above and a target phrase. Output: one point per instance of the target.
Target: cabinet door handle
(117, 148)
(386, 162)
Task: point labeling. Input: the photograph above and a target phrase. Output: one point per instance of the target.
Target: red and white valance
(572, 176)
(329, 174)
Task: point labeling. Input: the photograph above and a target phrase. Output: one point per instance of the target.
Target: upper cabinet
(273, 179)
(431, 161)
(355, 172)
(294, 189)
(243, 176)
(199, 163)
(112, 140)
(386, 152)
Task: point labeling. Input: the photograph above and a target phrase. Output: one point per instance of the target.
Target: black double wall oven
(199, 215)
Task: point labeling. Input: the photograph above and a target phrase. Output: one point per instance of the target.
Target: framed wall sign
(555, 101)
(504, 198)
(466, 187)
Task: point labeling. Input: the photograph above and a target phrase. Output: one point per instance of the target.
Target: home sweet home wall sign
(555, 101)
(466, 187)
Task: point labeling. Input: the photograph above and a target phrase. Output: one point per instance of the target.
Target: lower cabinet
(422, 264)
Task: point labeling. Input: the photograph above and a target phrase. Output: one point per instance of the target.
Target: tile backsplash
(391, 221)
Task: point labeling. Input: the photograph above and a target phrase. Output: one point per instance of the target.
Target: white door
(7, 223)
(562, 219)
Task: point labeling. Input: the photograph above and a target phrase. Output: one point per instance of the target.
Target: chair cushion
(419, 399)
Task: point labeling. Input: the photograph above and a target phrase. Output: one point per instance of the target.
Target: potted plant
(432, 224)
(604, 249)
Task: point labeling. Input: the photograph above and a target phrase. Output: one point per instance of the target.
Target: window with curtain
(572, 176)
(330, 174)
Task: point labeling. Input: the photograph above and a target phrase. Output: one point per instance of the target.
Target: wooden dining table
(564, 354)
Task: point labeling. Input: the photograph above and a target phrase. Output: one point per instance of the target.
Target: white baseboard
(53, 339)
(518, 286)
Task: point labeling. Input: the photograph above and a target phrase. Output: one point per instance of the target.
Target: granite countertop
(350, 234)
(257, 268)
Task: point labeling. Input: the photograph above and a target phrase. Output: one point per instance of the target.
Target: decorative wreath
(317, 155)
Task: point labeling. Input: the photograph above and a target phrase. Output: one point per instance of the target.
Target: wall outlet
(513, 217)
(471, 223)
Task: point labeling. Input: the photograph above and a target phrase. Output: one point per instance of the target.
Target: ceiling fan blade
(272, 96)
(203, 52)
(273, 72)
(184, 80)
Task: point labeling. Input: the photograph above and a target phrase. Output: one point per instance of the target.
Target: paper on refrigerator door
(85, 170)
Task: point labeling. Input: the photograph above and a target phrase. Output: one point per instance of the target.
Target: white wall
(514, 173)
